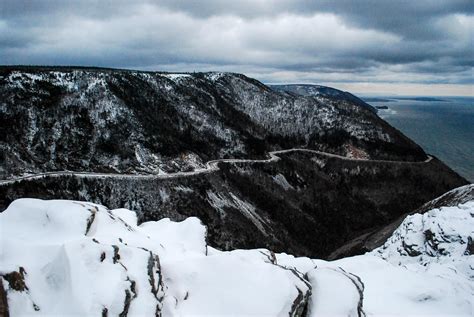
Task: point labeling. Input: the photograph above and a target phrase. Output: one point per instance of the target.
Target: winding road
(211, 166)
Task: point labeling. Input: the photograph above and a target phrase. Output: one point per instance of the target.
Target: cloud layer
(346, 43)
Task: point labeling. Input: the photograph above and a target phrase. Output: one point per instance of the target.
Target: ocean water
(443, 126)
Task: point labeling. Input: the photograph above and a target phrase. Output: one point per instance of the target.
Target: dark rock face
(100, 120)
(469, 247)
(4, 311)
(16, 280)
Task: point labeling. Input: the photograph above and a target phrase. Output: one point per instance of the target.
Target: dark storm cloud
(352, 41)
(412, 19)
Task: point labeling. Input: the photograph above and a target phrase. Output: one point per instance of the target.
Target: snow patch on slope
(176, 76)
(281, 180)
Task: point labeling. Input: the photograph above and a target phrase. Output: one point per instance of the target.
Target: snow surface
(328, 300)
(81, 258)
(176, 76)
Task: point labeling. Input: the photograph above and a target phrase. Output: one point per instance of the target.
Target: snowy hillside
(64, 257)
(106, 120)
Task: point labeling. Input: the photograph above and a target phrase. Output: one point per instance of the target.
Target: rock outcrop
(51, 266)
(376, 238)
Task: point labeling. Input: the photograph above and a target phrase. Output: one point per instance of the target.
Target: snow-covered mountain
(70, 257)
(86, 119)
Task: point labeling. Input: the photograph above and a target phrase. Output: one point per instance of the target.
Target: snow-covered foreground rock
(65, 257)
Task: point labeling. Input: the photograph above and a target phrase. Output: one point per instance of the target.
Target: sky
(402, 47)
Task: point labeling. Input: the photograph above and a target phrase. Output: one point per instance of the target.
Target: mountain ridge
(184, 106)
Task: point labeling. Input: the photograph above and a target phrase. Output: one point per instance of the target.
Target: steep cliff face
(143, 122)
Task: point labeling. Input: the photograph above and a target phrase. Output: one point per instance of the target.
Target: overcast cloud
(403, 47)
